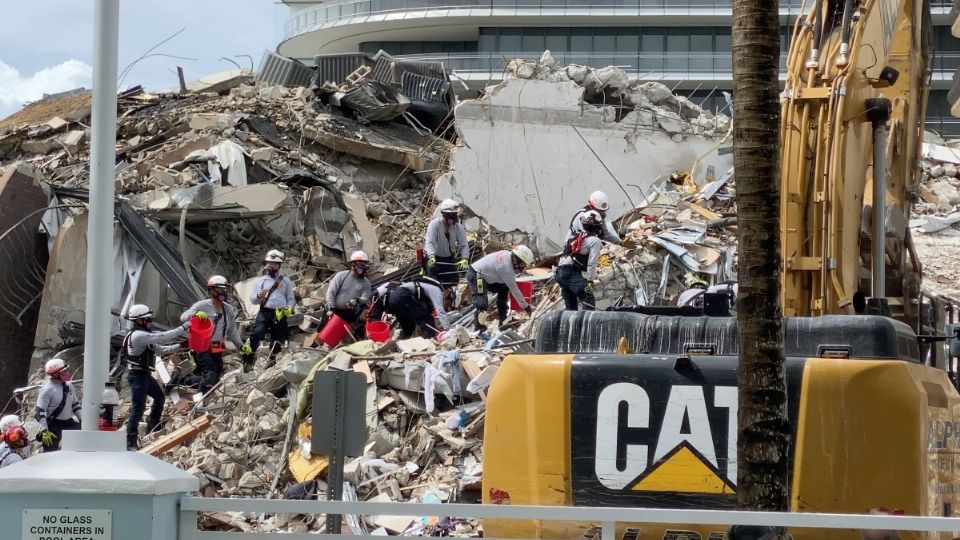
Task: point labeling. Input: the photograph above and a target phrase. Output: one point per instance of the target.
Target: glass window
(581, 40)
(651, 42)
(723, 43)
(628, 44)
(556, 39)
(532, 40)
(487, 42)
(604, 43)
(511, 39)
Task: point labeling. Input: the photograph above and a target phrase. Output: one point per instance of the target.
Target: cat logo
(669, 443)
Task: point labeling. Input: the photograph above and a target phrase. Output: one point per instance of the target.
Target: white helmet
(599, 200)
(54, 366)
(591, 217)
(449, 206)
(274, 255)
(9, 421)
(359, 256)
(217, 281)
(139, 311)
(524, 254)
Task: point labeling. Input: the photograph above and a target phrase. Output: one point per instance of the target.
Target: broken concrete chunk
(273, 92)
(263, 154)
(71, 139)
(202, 121)
(251, 480)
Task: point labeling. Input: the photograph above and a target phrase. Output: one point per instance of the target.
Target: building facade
(684, 44)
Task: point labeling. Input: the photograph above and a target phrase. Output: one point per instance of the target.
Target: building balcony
(682, 71)
(396, 13)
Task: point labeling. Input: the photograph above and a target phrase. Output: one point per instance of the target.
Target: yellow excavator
(875, 414)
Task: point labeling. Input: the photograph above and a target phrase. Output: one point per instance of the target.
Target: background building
(683, 43)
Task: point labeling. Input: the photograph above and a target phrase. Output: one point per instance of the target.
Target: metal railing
(332, 13)
(605, 518)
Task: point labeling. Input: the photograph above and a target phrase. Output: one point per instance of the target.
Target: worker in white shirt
(497, 273)
(273, 292)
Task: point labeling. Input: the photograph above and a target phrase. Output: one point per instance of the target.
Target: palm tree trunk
(763, 429)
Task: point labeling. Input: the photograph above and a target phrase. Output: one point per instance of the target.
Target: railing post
(187, 525)
(608, 530)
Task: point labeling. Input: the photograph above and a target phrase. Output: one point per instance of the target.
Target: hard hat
(524, 254)
(599, 200)
(139, 311)
(449, 206)
(54, 366)
(217, 281)
(274, 255)
(591, 218)
(359, 256)
(9, 421)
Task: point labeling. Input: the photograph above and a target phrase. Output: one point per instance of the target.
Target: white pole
(103, 155)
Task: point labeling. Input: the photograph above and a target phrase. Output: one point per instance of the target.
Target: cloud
(16, 90)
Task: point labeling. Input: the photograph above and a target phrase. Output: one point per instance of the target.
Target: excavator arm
(852, 119)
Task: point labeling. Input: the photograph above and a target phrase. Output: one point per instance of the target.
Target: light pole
(103, 155)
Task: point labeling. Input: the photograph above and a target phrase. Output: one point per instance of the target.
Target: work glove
(589, 287)
(462, 264)
(353, 302)
(246, 349)
(288, 311)
(432, 261)
(279, 313)
(201, 315)
(47, 437)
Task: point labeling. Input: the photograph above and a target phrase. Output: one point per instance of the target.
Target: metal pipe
(878, 111)
(103, 155)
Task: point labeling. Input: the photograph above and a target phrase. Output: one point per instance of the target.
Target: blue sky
(47, 45)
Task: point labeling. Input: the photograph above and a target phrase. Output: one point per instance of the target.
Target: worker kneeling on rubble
(497, 273)
(445, 240)
(349, 291)
(273, 292)
(581, 253)
(209, 363)
(139, 348)
(57, 404)
(412, 303)
(14, 440)
(598, 203)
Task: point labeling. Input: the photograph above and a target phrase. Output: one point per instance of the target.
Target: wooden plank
(709, 214)
(473, 371)
(304, 469)
(177, 437)
(364, 367)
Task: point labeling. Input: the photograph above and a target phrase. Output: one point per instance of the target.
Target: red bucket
(200, 332)
(378, 331)
(526, 289)
(334, 331)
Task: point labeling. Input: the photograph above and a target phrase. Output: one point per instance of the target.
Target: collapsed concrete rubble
(936, 215)
(534, 146)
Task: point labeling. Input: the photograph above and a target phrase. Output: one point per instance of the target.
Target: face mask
(65, 377)
(272, 272)
(450, 219)
(360, 271)
(148, 325)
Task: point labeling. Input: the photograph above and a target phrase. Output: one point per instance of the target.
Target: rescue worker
(412, 303)
(57, 404)
(139, 348)
(693, 295)
(349, 291)
(581, 253)
(599, 203)
(14, 440)
(209, 363)
(273, 292)
(445, 245)
(497, 273)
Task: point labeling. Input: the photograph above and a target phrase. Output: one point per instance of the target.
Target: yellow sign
(683, 470)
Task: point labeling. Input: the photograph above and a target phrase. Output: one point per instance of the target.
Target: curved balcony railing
(339, 11)
(695, 65)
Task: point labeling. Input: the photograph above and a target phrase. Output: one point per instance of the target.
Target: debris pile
(935, 215)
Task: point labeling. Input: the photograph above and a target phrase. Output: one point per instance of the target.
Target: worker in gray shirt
(581, 253)
(139, 348)
(445, 245)
(598, 203)
(273, 292)
(497, 273)
(413, 304)
(209, 362)
(349, 291)
(57, 405)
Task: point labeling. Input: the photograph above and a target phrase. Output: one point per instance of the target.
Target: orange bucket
(200, 332)
(334, 331)
(378, 331)
(526, 289)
